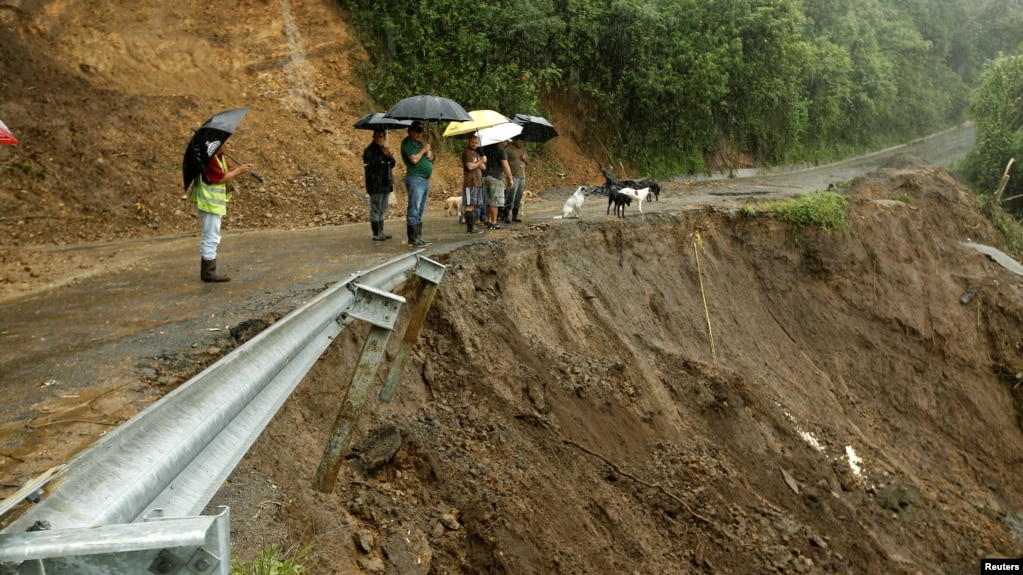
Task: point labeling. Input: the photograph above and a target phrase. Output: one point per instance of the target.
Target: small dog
(638, 195)
(453, 205)
(573, 203)
(619, 200)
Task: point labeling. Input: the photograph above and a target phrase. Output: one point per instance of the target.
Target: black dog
(619, 200)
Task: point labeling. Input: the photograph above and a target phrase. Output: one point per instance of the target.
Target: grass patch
(1007, 226)
(903, 198)
(274, 560)
(26, 167)
(823, 210)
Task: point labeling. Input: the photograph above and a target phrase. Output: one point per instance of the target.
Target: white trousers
(210, 235)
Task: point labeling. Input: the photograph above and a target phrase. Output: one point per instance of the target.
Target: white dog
(638, 195)
(453, 205)
(573, 203)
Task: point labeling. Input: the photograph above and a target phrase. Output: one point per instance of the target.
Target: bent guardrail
(129, 503)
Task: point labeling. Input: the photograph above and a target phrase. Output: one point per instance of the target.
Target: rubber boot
(515, 215)
(504, 215)
(420, 242)
(380, 230)
(415, 239)
(208, 272)
(470, 223)
(377, 236)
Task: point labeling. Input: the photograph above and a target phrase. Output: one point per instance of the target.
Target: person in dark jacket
(378, 161)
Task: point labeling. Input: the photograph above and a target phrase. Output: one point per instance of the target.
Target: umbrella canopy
(377, 121)
(480, 119)
(6, 137)
(427, 108)
(498, 133)
(535, 128)
(207, 140)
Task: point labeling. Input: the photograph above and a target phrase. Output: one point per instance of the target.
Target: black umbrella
(535, 128)
(207, 140)
(428, 108)
(377, 121)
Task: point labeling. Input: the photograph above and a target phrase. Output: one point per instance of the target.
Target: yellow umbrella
(480, 119)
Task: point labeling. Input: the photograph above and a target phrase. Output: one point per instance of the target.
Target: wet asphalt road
(91, 335)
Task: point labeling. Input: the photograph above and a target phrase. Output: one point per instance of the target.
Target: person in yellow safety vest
(209, 192)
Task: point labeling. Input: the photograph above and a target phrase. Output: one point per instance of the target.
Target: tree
(997, 107)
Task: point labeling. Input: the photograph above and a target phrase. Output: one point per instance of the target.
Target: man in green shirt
(418, 159)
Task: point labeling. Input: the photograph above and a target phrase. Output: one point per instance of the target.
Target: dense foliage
(665, 83)
(998, 109)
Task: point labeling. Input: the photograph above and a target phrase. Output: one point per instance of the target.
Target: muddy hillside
(691, 392)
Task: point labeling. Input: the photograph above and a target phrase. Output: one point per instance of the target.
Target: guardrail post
(432, 272)
(380, 309)
(156, 544)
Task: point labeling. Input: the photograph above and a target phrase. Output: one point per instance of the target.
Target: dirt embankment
(690, 392)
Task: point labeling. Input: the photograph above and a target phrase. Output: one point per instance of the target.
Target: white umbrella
(498, 133)
(480, 119)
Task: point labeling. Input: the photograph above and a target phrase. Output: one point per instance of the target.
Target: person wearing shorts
(472, 182)
(496, 176)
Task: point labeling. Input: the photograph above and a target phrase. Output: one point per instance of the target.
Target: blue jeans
(378, 206)
(418, 190)
(513, 199)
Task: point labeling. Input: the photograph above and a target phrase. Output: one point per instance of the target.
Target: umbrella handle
(253, 174)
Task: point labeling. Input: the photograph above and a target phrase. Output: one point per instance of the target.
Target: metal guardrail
(129, 504)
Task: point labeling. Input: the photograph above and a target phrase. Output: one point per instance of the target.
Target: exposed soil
(698, 390)
(568, 411)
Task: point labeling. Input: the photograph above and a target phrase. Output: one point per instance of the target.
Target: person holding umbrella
(418, 159)
(497, 177)
(210, 194)
(377, 160)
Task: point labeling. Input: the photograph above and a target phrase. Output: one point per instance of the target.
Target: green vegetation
(664, 84)
(997, 105)
(824, 210)
(1008, 228)
(274, 560)
(26, 167)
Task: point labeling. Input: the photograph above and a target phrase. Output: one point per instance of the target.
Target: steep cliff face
(686, 393)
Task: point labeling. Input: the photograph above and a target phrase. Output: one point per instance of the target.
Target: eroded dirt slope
(567, 410)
